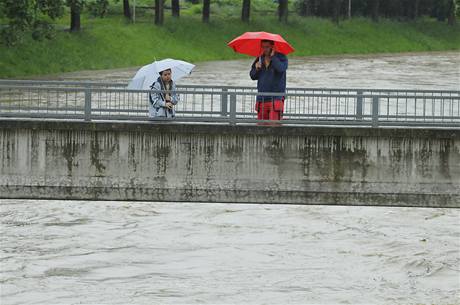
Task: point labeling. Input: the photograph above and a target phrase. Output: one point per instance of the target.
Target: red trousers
(270, 110)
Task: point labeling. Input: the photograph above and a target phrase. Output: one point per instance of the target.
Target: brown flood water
(437, 70)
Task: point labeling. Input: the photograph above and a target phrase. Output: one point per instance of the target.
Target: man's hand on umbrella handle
(169, 105)
(258, 65)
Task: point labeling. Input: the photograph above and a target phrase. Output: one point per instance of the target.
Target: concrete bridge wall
(216, 163)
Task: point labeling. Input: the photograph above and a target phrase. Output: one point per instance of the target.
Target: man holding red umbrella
(269, 69)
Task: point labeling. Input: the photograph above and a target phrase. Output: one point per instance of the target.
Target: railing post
(88, 104)
(375, 111)
(359, 105)
(233, 108)
(224, 102)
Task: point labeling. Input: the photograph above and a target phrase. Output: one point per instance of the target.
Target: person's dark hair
(269, 41)
(161, 73)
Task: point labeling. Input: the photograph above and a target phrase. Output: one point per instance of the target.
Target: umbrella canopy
(249, 43)
(148, 74)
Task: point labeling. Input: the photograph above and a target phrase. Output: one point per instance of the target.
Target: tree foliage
(36, 17)
(395, 9)
(33, 16)
(98, 8)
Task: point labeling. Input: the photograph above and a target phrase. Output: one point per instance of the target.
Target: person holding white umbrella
(165, 98)
(161, 77)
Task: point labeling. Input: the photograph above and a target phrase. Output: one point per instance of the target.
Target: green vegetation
(113, 42)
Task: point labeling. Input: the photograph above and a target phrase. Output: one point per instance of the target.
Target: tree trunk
(283, 10)
(175, 8)
(75, 17)
(305, 8)
(349, 9)
(206, 10)
(313, 7)
(126, 9)
(375, 10)
(415, 14)
(159, 12)
(336, 11)
(451, 14)
(246, 10)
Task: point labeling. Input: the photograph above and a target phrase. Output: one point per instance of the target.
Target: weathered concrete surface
(188, 162)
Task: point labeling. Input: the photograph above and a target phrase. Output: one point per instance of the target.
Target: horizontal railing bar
(31, 108)
(327, 89)
(217, 114)
(225, 119)
(417, 123)
(113, 90)
(431, 117)
(144, 118)
(84, 83)
(42, 115)
(65, 111)
(244, 121)
(146, 111)
(336, 122)
(286, 115)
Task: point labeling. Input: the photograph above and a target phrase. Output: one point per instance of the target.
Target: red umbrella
(249, 43)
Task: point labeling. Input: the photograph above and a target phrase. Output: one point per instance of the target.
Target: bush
(98, 8)
(11, 35)
(196, 9)
(42, 30)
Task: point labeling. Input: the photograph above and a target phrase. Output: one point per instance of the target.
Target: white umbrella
(148, 74)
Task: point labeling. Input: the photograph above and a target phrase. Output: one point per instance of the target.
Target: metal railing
(228, 104)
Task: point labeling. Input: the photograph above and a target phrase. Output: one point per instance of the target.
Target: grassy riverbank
(113, 43)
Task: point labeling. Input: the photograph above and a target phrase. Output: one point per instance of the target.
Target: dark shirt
(271, 78)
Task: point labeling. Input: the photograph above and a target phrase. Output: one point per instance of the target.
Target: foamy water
(77, 252)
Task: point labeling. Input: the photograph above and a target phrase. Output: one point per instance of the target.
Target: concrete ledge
(234, 196)
(155, 161)
(200, 128)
